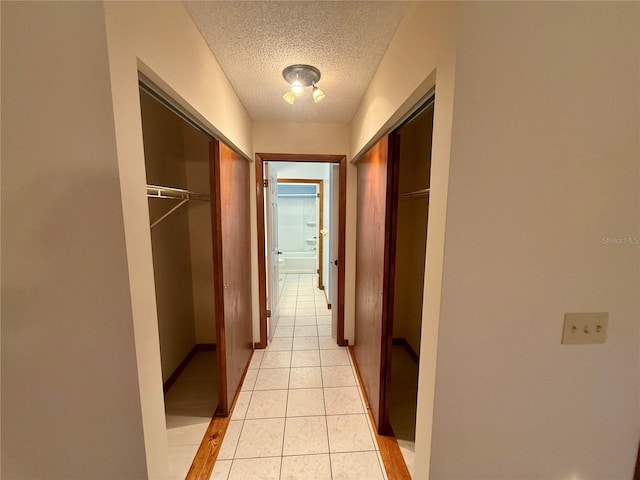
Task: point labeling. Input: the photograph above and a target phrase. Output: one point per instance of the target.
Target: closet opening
(410, 187)
(178, 170)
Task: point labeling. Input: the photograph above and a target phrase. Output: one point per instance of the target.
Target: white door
(272, 253)
(333, 259)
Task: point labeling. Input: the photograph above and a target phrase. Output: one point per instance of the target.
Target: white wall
(70, 392)
(310, 138)
(543, 162)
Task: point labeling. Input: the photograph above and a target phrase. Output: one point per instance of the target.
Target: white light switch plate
(583, 328)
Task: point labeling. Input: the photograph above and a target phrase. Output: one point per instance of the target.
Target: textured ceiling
(255, 41)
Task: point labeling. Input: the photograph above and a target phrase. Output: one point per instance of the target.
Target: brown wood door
(232, 257)
(372, 272)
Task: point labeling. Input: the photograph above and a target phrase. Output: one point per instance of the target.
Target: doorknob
(335, 262)
(279, 253)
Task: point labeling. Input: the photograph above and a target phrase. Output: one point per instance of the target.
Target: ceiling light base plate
(307, 75)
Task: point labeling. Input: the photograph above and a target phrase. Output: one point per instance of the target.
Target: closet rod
(158, 191)
(418, 193)
(171, 193)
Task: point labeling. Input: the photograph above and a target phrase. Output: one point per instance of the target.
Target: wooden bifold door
(393, 199)
(372, 270)
(232, 262)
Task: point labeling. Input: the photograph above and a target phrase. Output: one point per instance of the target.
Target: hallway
(300, 414)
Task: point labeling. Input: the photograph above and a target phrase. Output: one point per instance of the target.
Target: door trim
(260, 158)
(390, 244)
(218, 281)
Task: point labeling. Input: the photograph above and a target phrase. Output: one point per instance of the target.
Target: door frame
(320, 223)
(218, 281)
(388, 289)
(260, 158)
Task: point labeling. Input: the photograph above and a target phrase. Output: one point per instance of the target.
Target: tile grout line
(326, 416)
(320, 367)
(371, 427)
(235, 450)
(284, 433)
(306, 454)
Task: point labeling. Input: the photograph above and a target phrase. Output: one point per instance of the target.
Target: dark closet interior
(178, 191)
(412, 167)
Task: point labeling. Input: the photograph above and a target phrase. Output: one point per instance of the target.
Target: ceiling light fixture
(300, 76)
(318, 95)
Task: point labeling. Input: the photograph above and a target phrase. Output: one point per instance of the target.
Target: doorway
(268, 252)
(301, 227)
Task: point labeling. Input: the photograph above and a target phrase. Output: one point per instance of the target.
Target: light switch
(582, 328)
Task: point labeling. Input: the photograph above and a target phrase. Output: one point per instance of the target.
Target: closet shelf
(418, 193)
(159, 191)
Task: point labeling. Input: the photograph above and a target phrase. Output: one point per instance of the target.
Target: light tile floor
(300, 414)
(189, 405)
(404, 394)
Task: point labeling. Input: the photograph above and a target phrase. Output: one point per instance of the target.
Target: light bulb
(296, 88)
(318, 95)
(289, 97)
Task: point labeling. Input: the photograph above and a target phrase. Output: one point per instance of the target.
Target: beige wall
(543, 164)
(173, 284)
(413, 175)
(310, 138)
(70, 392)
(200, 235)
(160, 39)
(409, 272)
